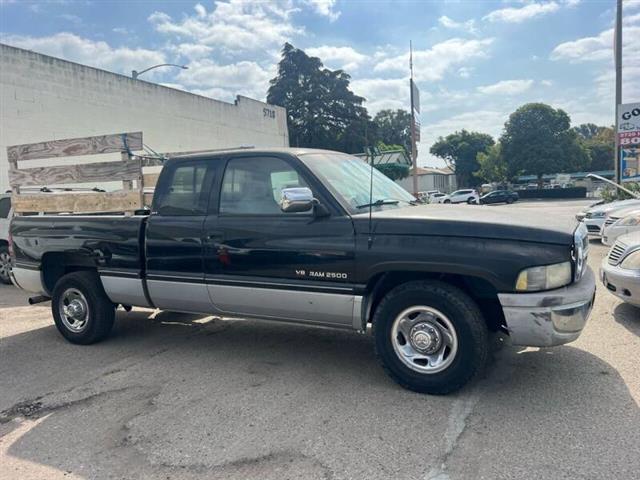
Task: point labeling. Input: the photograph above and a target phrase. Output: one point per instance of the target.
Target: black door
(263, 262)
(175, 273)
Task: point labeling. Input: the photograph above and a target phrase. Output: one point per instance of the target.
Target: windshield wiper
(379, 203)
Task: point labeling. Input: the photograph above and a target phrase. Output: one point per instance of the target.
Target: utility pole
(414, 152)
(618, 63)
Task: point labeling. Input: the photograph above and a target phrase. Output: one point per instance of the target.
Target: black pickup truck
(309, 236)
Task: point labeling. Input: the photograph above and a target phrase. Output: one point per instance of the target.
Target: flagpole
(414, 153)
(618, 62)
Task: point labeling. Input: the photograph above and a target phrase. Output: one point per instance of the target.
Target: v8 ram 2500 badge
(303, 236)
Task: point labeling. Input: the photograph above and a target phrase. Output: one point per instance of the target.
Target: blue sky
(475, 61)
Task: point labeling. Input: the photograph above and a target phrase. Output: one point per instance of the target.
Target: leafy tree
(460, 151)
(394, 171)
(493, 167)
(600, 142)
(587, 130)
(393, 127)
(321, 110)
(537, 140)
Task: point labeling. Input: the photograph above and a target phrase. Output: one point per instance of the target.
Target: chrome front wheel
(424, 339)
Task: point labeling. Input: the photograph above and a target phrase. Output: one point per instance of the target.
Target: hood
(608, 207)
(505, 223)
(623, 212)
(630, 239)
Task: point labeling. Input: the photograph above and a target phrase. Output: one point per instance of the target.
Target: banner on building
(629, 141)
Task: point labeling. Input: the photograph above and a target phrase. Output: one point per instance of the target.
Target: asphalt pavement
(191, 397)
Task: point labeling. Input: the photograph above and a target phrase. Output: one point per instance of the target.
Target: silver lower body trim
(29, 280)
(546, 319)
(319, 308)
(180, 296)
(127, 291)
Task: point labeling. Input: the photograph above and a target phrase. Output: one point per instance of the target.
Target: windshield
(348, 178)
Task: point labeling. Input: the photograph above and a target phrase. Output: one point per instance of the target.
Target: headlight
(544, 278)
(631, 261)
(630, 221)
(597, 214)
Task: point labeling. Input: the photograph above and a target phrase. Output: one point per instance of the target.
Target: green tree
(322, 112)
(393, 127)
(537, 140)
(587, 130)
(600, 142)
(493, 167)
(460, 151)
(394, 171)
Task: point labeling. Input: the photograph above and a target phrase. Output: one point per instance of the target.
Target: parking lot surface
(182, 396)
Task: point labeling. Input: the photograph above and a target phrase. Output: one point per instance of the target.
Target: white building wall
(45, 98)
(433, 181)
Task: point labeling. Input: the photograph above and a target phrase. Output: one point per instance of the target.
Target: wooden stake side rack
(128, 169)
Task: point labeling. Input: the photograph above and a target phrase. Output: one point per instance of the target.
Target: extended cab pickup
(294, 235)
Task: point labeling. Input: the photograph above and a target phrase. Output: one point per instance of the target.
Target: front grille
(593, 228)
(616, 253)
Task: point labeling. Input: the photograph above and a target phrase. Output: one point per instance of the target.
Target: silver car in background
(620, 271)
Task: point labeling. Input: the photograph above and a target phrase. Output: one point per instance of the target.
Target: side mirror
(299, 199)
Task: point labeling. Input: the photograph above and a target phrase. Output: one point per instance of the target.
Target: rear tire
(5, 265)
(471, 200)
(430, 337)
(447, 201)
(81, 309)
(509, 201)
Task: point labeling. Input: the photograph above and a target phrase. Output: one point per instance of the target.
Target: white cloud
(506, 87)
(468, 26)
(324, 8)
(383, 93)
(235, 25)
(192, 51)
(345, 58)
(96, 54)
(434, 63)
(209, 78)
(521, 14)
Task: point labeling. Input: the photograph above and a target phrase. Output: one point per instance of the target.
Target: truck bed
(110, 242)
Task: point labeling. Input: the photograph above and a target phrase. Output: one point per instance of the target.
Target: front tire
(430, 337)
(5, 265)
(81, 309)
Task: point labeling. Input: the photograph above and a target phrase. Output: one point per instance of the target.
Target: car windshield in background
(348, 178)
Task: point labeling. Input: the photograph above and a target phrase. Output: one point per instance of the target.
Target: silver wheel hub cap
(424, 339)
(74, 310)
(5, 265)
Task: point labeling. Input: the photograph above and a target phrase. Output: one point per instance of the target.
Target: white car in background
(595, 217)
(461, 196)
(620, 222)
(5, 218)
(437, 197)
(620, 270)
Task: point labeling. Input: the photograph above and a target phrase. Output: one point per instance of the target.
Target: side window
(5, 207)
(253, 186)
(186, 192)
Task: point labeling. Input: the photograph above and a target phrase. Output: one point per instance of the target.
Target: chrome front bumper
(555, 317)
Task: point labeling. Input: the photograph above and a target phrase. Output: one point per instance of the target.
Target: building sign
(629, 140)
